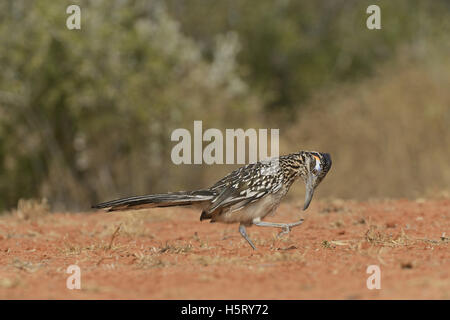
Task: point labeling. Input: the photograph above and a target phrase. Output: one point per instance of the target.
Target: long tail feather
(183, 198)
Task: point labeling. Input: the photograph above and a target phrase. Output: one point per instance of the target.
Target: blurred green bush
(86, 115)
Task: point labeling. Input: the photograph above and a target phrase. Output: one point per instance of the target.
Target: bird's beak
(309, 191)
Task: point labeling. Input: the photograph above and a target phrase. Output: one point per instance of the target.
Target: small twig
(103, 258)
(99, 261)
(114, 235)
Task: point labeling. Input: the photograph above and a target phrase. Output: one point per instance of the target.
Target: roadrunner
(246, 195)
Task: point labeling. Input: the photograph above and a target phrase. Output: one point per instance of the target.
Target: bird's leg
(285, 226)
(244, 234)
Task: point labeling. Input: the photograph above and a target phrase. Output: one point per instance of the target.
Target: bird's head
(316, 166)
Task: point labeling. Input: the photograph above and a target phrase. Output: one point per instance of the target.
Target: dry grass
(148, 261)
(31, 209)
(26, 265)
(175, 249)
(375, 235)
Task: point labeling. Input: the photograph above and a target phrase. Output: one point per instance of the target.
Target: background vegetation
(86, 115)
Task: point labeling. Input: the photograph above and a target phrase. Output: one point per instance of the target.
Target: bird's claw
(286, 230)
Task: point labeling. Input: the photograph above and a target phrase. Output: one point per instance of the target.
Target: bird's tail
(182, 198)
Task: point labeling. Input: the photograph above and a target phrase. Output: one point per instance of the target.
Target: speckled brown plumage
(246, 195)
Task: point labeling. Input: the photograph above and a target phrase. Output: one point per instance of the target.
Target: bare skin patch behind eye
(317, 167)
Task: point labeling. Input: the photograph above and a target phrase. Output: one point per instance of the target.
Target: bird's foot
(286, 228)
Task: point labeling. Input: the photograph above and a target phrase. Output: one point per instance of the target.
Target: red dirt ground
(170, 254)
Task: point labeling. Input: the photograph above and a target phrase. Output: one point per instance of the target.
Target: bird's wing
(245, 185)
